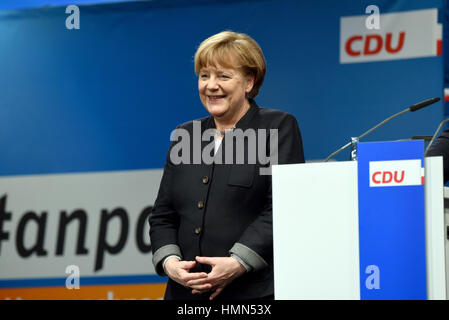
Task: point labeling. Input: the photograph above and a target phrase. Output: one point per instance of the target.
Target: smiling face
(223, 92)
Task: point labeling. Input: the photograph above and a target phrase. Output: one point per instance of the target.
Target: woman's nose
(212, 84)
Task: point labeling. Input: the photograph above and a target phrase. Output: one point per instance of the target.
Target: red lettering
(367, 50)
(439, 47)
(384, 177)
(396, 176)
(348, 46)
(399, 45)
(374, 177)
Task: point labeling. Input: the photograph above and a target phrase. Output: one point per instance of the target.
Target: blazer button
(197, 230)
(205, 179)
(200, 204)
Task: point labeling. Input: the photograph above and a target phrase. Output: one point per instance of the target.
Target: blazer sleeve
(164, 221)
(440, 147)
(255, 246)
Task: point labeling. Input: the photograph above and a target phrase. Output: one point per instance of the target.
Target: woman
(211, 225)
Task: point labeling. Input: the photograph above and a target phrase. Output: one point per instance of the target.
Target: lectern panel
(316, 246)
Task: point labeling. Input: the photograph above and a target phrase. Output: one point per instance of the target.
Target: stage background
(79, 106)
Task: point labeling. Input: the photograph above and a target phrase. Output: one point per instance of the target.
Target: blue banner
(101, 98)
(391, 220)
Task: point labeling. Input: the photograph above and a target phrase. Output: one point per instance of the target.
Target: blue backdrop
(23, 4)
(107, 96)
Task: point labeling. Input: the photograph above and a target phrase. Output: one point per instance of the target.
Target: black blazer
(217, 209)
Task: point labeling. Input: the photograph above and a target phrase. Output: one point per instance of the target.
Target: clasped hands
(224, 271)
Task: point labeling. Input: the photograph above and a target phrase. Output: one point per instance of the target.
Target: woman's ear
(249, 83)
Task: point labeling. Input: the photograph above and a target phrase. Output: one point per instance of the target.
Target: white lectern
(316, 231)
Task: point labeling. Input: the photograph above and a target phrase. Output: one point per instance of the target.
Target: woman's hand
(224, 271)
(179, 271)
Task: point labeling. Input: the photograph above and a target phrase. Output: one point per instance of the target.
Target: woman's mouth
(216, 98)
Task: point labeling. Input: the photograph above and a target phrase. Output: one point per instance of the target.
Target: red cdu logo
(402, 35)
(373, 44)
(388, 177)
(396, 173)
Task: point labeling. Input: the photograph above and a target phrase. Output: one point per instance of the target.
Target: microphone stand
(435, 135)
(367, 132)
(412, 108)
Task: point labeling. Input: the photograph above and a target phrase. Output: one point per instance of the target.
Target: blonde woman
(211, 225)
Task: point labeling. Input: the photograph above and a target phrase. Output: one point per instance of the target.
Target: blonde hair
(233, 50)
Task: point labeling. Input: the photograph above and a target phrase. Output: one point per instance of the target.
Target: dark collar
(244, 121)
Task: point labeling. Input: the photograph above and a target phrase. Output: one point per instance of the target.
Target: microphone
(423, 104)
(434, 136)
(412, 108)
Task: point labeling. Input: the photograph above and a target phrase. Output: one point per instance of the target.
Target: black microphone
(423, 104)
(412, 108)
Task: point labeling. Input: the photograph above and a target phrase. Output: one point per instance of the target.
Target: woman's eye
(224, 76)
(203, 75)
